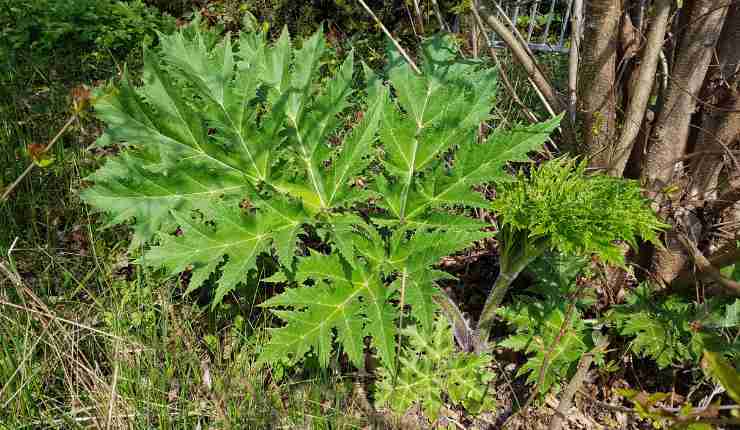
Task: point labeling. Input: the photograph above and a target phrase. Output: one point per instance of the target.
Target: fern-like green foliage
(434, 374)
(220, 123)
(539, 317)
(557, 206)
(576, 213)
(673, 331)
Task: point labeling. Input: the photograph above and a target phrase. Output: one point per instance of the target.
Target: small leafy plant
(241, 147)
(672, 330)
(99, 26)
(557, 206)
(548, 322)
(433, 373)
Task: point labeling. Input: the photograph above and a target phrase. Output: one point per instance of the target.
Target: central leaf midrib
(339, 308)
(317, 185)
(170, 196)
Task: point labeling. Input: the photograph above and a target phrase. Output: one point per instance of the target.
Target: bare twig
(522, 54)
(723, 257)
(575, 44)
(504, 73)
(575, 384)
(419, 16)
(440, 18)
(542, 98)
(398, 46)
(704, 266)
(30, 167)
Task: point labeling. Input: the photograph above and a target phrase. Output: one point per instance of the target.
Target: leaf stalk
(511, 267)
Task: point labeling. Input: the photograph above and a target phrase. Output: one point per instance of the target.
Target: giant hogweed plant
(241, 147)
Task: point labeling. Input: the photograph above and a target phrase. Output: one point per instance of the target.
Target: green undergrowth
(90, 340)
(169, 365)
(95, 327)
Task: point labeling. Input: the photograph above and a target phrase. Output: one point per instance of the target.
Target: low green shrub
(52, 28)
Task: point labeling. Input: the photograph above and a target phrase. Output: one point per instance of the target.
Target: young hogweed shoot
(559, 207)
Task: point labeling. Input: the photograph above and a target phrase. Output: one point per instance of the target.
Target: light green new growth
(559, 207)
(538, 321)
(239, 145)
(433, 374)
(577, 213)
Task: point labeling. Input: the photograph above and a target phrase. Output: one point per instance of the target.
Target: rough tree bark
(720, 124)
(597, 104)
(670, 134)
(683, 132)
(642, 89)
(671, 131)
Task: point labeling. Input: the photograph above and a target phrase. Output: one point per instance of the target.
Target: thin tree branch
(504, 73)
(30, 167)
(419, 16)
(398, 46)
(440, 18)
(706, 267)
(522, 55)
(643, 88)
(725, 256)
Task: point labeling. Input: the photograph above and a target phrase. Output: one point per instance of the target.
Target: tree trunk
(720, 124)
(597, 104)
(676, 135)
(640, 89)
(670, 134)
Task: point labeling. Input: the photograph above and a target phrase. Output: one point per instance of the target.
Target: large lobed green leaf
(347, 300)
(233, 144)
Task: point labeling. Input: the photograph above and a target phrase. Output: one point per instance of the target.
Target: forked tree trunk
(670, 134)
(669, 140)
